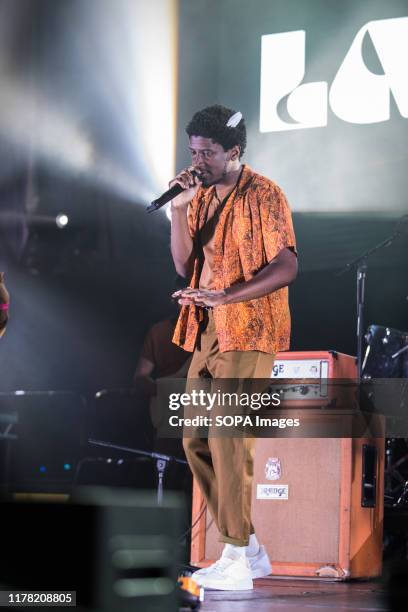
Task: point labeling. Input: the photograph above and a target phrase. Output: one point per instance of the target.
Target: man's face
(209, 158)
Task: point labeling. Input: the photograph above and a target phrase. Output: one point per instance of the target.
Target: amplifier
(314, 364)
(307, 378)
(317, 503)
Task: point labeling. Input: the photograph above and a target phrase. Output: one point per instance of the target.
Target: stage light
(61, 220)
(140, 159)
(70, 122)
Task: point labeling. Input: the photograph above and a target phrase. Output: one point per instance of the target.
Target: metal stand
(361, 277)
(161, 465)
(391, 471)
(395, 485)
(361, 263)
(398, 353)
(162, 461)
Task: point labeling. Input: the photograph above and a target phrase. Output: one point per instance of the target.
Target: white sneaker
(227, 575)
(259, 564)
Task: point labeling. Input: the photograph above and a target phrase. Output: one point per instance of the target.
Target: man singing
(232, 238)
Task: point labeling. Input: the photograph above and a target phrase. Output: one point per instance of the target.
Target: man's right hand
(190, 184)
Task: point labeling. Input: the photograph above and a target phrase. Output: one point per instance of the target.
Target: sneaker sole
(245, 587)
(261, 573)
(258, 573)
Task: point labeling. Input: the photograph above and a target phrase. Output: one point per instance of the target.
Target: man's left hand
(206, 298)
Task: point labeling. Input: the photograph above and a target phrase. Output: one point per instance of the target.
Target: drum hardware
(361, 264)
(398, 353)
(385, 355)
(403, 498)
(395, 484)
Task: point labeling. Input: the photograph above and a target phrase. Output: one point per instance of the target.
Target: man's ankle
(253, 546)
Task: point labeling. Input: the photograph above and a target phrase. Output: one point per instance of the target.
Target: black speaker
(116, 548)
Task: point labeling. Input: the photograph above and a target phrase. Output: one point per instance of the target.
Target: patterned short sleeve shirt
(255, 224)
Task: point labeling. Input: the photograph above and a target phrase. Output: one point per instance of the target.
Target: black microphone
(168, 195)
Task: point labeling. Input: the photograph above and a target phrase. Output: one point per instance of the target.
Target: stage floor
(292, 595)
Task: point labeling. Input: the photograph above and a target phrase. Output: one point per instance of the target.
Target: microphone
(168, 195)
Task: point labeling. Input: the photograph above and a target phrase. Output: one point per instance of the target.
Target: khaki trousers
(223, 466)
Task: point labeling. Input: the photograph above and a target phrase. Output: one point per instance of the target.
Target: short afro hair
(211, 122)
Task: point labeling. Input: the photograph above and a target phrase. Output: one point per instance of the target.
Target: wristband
(4, 306)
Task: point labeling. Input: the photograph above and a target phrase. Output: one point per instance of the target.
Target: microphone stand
(360, 263)
(162, 461)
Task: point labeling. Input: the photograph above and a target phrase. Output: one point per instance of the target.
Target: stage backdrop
(323, 87)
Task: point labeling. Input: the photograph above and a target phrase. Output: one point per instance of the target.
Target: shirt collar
(245, 179)
(243, 184)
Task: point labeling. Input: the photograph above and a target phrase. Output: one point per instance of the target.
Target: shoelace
(222, 564)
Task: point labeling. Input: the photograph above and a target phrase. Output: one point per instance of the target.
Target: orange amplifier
(314, 364)
(323, 514)
(307, 376)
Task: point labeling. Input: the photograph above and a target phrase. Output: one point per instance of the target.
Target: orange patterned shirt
(254, 225)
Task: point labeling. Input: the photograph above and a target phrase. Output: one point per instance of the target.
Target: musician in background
(161, 358)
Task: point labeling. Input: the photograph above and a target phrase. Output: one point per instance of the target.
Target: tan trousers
(223, 466)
